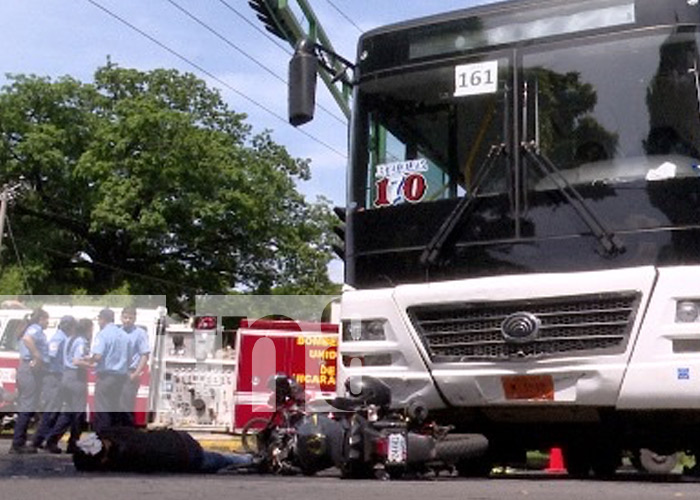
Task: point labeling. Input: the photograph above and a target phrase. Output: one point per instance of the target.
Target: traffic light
(339, 230)
(266, 10)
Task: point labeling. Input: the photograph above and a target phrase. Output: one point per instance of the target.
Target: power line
(211, 75)
(344, 15)
(241, 51)
(257, 28)
(116, 268)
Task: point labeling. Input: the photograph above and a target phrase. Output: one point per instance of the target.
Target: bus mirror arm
(335, 65)
(611, 243)
(432, 251)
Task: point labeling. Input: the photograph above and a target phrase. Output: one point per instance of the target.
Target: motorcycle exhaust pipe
(417, 411)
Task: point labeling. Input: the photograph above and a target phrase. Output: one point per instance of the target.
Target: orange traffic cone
(556, 462)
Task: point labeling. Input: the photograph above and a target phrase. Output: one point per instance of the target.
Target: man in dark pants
(126, 449)
(50, 397)
(73, 389)
(110, 353)
(33, 355)
(139, 351)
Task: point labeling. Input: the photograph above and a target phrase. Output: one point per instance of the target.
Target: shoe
(53, 448)
(22, 450)
(72, 448)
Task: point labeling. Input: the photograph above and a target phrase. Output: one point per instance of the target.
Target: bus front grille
(568, 326)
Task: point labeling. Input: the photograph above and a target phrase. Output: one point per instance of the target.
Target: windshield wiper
(433, 250)
(609, 241)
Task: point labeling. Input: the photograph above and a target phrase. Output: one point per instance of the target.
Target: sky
(220, 41)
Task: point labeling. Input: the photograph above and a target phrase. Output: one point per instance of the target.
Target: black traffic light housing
(339, 230)
(266, 15)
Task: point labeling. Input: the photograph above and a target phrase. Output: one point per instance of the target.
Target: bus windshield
(604, 109)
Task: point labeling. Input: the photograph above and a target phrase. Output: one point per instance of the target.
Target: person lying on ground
(126, 449)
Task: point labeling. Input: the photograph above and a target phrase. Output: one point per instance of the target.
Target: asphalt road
(52, 477)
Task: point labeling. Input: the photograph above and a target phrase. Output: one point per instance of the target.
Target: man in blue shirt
(139, 351)
(33, 357)
(50, 397)
(73, 389)
(110, 354)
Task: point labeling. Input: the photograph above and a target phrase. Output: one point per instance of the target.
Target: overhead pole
(6, 194)
(281, 20)
(4, 198)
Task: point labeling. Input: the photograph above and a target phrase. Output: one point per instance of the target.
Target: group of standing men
(52, 377)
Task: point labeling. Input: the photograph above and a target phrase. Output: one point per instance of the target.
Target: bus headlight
(356, 330)
(687, 311)
(359, 360)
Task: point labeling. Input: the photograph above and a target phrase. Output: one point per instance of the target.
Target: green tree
(566, 124)
(148, 182)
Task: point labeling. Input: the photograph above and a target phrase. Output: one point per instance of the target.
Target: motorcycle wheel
(467, 452)
(459, 448)
(251, 440)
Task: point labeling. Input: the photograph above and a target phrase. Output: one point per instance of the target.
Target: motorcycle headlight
(687, 311)
(357, 330)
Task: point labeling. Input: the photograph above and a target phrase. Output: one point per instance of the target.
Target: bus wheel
(605, 462)
(647, 460)
(577, 460)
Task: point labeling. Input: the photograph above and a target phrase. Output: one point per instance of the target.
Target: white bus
(523, 224)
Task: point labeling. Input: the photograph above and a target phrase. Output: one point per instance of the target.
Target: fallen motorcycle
(363, 436)
(273, 439)
(386, 443)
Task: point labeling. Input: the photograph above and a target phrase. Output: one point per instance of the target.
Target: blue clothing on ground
(37, 333)
(56, 344)
(138, 345)
(112, 345)
(213, 461)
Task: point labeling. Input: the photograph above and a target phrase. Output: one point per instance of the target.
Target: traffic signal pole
(281, 20)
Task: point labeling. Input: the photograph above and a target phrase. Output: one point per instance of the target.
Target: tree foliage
(147, 181)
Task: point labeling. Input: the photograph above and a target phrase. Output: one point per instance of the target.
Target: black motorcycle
(381, 442)
(362, 436)
(274, 439)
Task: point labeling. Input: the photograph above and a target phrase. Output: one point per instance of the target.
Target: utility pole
(3, 212)
(7, 193)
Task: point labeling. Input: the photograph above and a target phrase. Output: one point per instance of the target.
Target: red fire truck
(306, 352)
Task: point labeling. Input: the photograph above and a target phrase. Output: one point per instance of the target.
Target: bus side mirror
(303, 69)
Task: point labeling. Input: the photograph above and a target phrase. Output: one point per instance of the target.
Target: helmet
(284, 388)
(369, 390)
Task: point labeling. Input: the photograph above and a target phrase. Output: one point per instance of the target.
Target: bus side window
(10, 335)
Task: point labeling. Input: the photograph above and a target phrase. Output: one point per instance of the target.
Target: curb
(229, 444)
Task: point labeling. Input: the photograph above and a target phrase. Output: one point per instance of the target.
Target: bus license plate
(397, 449)
(528, 387)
